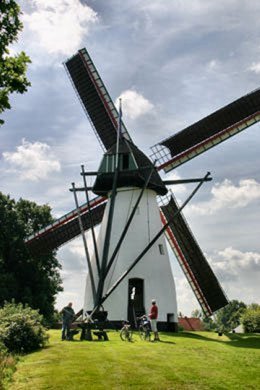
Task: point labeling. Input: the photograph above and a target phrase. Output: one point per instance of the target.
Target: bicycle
(126, 332)
(144, 328)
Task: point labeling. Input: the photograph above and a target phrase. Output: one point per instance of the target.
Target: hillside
(194, 360)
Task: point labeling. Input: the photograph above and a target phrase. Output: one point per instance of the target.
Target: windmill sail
(95, 99)
(208, 132)
(65, 228)
(192, 261)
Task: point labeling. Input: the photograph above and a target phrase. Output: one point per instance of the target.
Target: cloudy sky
(172, 62)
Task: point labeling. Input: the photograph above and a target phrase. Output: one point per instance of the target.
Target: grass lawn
(192, 360)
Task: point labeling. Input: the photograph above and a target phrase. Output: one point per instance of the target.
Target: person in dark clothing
(67, 318)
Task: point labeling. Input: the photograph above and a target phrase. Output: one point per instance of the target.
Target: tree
(208, 323)
(253, 306)
(196, 313)
(250, 319)
(12, 68)
(229, 316)
(34, 280)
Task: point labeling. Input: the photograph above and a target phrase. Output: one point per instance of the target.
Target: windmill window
(170, 317)
(113, 162)
(109, 163)
(125, 161)
(161, 249)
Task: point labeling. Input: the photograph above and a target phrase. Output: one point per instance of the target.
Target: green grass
(198, 360)
(7, 367)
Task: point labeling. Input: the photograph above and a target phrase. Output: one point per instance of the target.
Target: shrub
(250, 319)
(7, 365)
(208, 324)
(21, 328)
(54, 321)
(228, 317)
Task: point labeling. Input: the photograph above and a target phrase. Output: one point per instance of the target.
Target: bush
(54, 321)
(7, 365)
(21, 328)
(250, 319)
(208, 324)
(228, 317)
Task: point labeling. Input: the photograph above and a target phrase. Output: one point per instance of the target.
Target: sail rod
(183, 181)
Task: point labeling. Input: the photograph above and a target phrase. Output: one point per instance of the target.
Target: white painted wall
(154, 267)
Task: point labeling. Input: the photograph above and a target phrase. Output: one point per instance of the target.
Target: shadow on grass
(166, 342)
(235, 340)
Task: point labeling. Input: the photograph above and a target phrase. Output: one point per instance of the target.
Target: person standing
(153, 315)
(67, 319)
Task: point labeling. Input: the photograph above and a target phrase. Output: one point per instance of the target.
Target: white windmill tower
(130, 251)
(137, 187)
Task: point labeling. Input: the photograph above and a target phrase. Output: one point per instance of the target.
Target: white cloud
(73, 141)
(235, 259)
(185, 297)
(134, 104)
(255, 67)
(212, 65)
(198, 13)
(32, 161)
(176, 188)
(76, 248)
(60, 25)
(233, 266)
(74, 286)
(227, 195)
(238, 273)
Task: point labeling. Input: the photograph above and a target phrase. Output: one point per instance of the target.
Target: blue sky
(172, 62)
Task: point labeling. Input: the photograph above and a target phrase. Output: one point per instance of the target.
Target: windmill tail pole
(84, 242)
(153, 241)
(120, 241)
(91, 219)
(107, 240)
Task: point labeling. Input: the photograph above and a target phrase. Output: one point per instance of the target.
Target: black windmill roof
(134, 169)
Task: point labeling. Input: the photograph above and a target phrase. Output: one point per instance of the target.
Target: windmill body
(152, 277)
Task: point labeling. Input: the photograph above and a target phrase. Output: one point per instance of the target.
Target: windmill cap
(135, 168)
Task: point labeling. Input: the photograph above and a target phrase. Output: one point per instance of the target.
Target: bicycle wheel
(123, 334)
(147, 334)
(129, 335)
(126, 334)
(142, 332)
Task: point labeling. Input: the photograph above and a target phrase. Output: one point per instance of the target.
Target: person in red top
(153, 315)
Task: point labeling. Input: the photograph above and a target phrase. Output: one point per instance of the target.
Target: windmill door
(135, 299)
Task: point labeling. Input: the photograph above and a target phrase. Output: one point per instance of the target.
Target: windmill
(135, 208)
